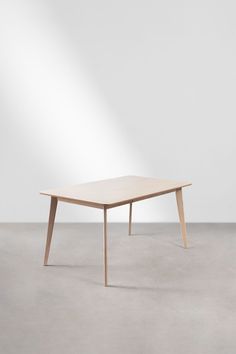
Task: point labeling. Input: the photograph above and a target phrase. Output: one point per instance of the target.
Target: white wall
(96, 89)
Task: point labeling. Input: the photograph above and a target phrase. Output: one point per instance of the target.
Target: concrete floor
(162, 298)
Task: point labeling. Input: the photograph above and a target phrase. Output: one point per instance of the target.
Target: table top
(115, 191)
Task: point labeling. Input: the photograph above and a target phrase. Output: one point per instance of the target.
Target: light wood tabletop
(115, 191)
(110, 193)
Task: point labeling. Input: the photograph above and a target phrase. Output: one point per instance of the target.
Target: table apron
(109, 206)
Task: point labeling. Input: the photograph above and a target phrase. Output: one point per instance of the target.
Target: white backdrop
(97, 89)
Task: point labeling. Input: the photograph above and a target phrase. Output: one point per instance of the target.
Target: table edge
(112, 205)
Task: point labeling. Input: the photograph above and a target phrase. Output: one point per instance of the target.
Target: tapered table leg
(130, 217)
(105, 246)
(52, 214)
(179, 199)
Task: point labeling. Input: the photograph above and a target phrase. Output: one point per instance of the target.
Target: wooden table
(112, 193)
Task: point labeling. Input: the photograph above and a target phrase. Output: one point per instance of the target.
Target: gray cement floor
(162, 298)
